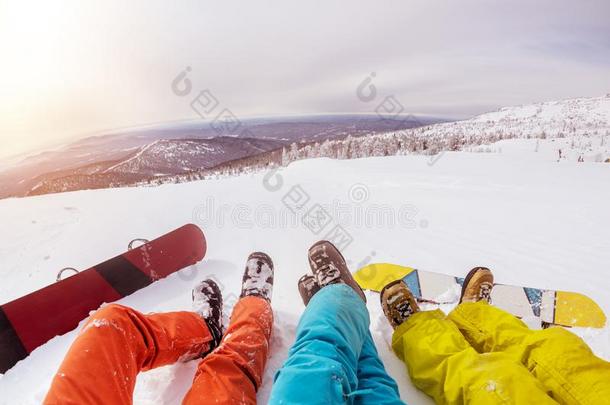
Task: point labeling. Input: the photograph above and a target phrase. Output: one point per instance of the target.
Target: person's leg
(442, 364)
(561, 360)
(233, 372)
(322, 363)
(116, 344)
(333, 355)
(375, 386)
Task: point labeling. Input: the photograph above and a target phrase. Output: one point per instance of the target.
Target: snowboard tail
(32, 320)
(562, 308)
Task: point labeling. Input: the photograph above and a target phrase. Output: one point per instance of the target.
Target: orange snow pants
(118, 342)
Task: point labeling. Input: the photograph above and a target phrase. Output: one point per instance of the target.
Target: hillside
(133, 155)
(580, 127)
(532, 220)
(576, 130)
(157, 159)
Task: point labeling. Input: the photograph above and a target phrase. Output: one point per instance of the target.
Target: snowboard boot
(477, 285)
(258, 276)
(308, 287)
(329, 267)
(398, 302)
(207, 302)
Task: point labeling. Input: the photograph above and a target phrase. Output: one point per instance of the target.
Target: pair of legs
(118, 342)
(333, 360)
(479, 354)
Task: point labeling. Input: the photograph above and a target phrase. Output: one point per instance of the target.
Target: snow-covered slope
(166, 157)
(130, 155)
(532, 220)
(578, 116)
(575, 111)
(580, 128)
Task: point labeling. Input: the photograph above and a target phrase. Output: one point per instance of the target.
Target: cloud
(73, 67)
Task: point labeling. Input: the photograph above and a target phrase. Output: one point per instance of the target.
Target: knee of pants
(497, 378)
(554, 345)
(556, 348)
(114, 317)
(559, 336)
(109, 311)
(311, 381)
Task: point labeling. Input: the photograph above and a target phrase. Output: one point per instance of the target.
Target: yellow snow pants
(480, 354)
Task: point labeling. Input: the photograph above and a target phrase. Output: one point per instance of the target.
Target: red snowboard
(32, 320)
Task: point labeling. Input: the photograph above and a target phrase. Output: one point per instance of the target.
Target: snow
(201, 300)
(579, 128)
(534, 221)
(553, 111)
(134, 157)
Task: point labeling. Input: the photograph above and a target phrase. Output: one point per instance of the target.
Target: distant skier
(333, 360)
(480, 354)
(118, 342)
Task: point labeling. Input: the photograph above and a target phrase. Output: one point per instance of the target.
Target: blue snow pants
(334, 360)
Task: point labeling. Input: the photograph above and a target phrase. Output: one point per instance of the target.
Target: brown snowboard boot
(477, 285)
(398, 302)
(308, 287)
(329, 267)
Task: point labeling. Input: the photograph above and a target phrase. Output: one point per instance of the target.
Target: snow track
(134, 157)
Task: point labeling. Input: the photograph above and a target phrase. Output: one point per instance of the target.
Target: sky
(72, 68)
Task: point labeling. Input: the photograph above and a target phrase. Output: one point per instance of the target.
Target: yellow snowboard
(551, 307)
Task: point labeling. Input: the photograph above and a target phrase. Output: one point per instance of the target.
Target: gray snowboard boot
(207, 302)
(258, 276)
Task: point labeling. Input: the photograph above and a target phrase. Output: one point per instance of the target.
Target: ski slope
(534, 221)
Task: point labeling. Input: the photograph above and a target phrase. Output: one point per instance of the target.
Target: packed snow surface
(534, 221)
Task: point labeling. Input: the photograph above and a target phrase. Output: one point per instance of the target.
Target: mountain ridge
(580, 126)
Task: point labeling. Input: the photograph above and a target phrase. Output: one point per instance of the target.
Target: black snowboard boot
(398, 302)
(258, 276)
(308, 287)
(207, 302)
(477, 285)
(329, 267)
